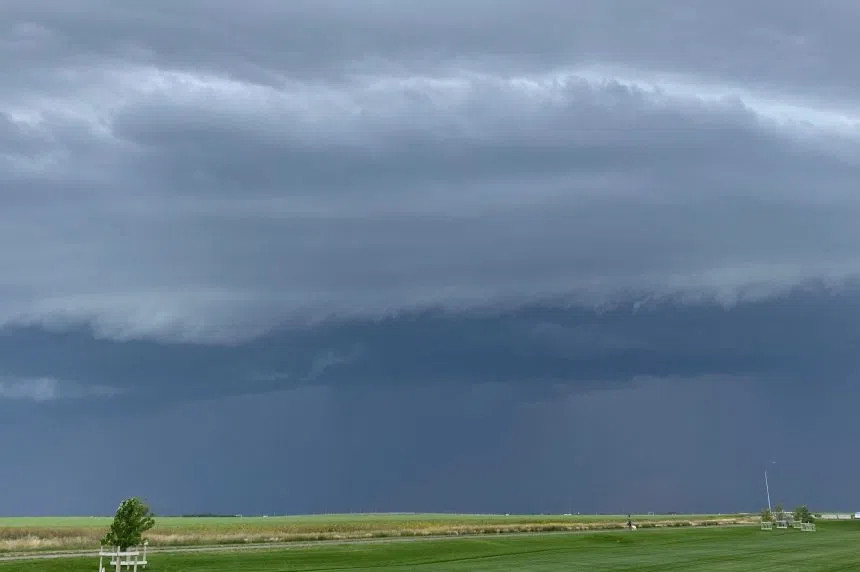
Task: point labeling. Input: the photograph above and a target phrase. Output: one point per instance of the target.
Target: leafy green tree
(766, 515)
(802, 514)
(132, 519)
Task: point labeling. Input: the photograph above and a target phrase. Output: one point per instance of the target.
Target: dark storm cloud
(335, 255)
(538, 353)
(205, 173)
(696, 445)
(191, 231)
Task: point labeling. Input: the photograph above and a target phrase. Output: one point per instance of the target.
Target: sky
(499, 256)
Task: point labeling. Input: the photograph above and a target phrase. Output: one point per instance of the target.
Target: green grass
(833, 547)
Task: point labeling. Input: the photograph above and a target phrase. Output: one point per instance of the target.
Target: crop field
(68, 533)
(833, 547)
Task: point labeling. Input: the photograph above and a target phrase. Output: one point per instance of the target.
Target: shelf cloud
(189, 190)
(340, 205)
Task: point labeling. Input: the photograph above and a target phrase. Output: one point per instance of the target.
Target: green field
(351, 520)
(833, 547)
(68, 533)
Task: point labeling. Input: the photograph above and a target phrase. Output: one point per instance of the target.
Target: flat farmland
(18, 534)
(833, 547)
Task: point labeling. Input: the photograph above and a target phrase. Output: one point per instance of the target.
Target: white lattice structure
(766, 525)
(807, 527)
(119, 560)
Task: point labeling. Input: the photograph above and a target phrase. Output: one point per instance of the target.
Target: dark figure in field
(629, 522)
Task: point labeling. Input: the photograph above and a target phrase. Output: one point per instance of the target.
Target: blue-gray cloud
(208, 176)
(511, 252)
(541, 352)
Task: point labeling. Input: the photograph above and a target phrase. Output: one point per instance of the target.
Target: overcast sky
(503, 256)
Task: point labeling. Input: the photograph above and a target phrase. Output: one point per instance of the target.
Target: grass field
(63, 533)
(833, 547)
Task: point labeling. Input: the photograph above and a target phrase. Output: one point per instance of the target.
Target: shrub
(802, 514)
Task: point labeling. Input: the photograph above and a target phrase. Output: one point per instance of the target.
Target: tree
(132, 519)
(766, 515)
(778, 512)
(802, 514)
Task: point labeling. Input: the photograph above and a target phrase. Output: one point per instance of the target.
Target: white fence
(121, 560)
(836, 516)
(803, 526)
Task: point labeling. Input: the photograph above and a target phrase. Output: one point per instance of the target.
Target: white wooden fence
(804, 526)
(120, 560)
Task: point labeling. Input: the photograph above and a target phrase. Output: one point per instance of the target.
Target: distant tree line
(208, 515)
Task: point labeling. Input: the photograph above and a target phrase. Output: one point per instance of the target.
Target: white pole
(767, 488)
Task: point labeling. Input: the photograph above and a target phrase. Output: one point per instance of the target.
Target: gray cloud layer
(328, 200)
(207, 174)
(805, 339)
(176, 172)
